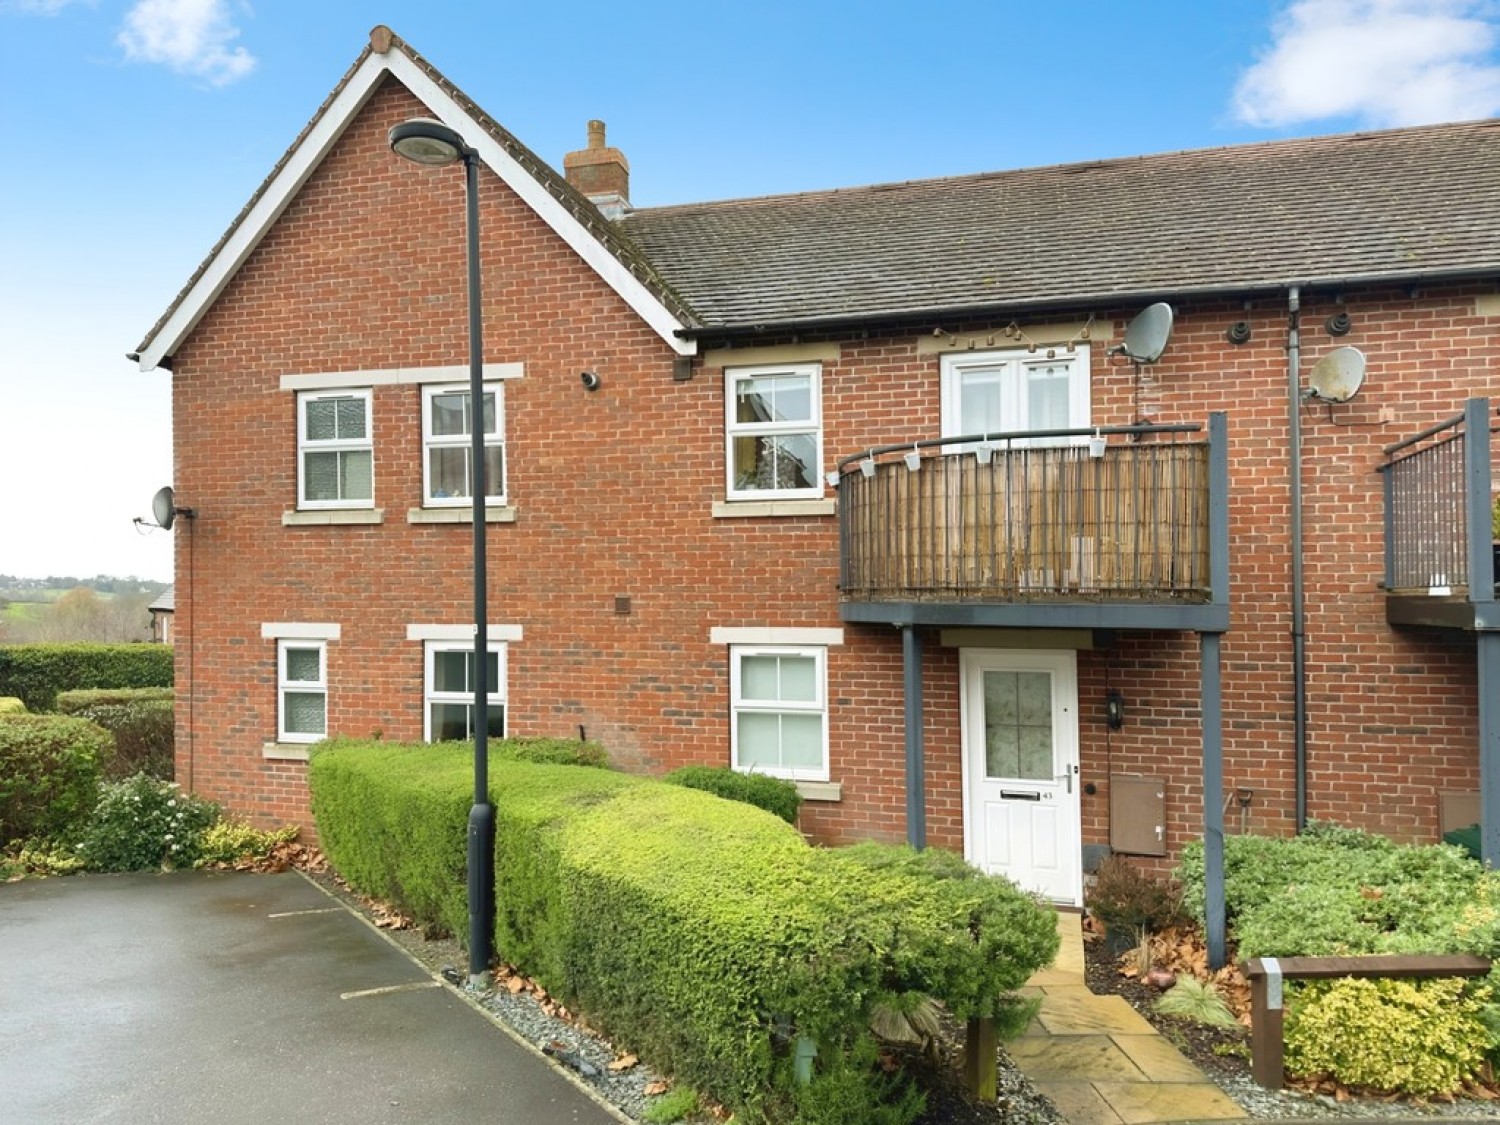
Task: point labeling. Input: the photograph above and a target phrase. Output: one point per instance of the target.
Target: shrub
(36, 673)
(39, 858)
(143, 823)
(1416, 1037)
(1125, 898)
(49, 773)
(1196, 1000)
(551, 751)
(229, 842)
(142, 721)
(774, 794)
(10, 705)
(707, 935)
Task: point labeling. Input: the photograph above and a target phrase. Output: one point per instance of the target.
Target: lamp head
(425, 141)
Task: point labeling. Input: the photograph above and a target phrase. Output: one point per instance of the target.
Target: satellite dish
(1338, 376)
(163, 508)
(1147, 336)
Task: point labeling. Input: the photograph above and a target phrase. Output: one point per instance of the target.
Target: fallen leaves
(622, 1064)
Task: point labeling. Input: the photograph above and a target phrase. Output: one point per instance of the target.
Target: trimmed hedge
(10, 705)
(49, 774)
(776, 795)
(707, 936)
(36, 673)
(142, 721)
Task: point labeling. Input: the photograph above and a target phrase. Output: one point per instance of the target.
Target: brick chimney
(601, 173)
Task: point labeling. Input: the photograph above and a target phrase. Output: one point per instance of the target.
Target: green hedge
(775, 795)
(10, 705)
(49, 774)
(36, 673)
(706, 935)
(142, 721)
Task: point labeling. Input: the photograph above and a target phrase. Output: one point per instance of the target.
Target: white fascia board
(325, 134)
(553, 213)
(399, 376)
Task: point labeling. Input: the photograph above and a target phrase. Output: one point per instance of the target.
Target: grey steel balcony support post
(916, 779)
(1482, 579)
(1213, 797)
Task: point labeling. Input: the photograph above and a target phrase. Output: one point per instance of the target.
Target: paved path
(1099, 1060)
(224, 998)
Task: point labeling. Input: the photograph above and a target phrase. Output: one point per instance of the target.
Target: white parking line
(389, 989)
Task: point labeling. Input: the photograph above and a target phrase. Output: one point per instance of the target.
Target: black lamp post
(425, 141)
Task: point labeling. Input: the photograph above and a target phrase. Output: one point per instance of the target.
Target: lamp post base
(481, 862)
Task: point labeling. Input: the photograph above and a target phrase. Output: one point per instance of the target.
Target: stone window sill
(820, 790)
(340, 516)
(286, 751)
(503, 514)
(750, 509)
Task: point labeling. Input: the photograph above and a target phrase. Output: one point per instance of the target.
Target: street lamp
(424, 141)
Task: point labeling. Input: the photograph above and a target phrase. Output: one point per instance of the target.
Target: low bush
(50, 768)
(1417, 1037)
(142, 721)
(1126, 899)
(143, 823)
(36, 673)
(10, 705)
(708, 936)
(550, 751)
(776, 795)
(228, 842)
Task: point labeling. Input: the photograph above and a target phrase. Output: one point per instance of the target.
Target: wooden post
(981, 1068)
(1267, 1024)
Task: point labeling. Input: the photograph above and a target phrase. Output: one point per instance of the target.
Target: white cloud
(193, 37)
(1386, 62)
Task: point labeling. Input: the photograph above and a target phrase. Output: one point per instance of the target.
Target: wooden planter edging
(1266, 975)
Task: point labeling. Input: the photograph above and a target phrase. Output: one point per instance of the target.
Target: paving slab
(1079, 1102)
(1075, 1058)
(1074, 1010)
(1140, 1102)
(1158, 1059)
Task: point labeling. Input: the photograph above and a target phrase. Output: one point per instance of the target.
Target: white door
(1020, 736)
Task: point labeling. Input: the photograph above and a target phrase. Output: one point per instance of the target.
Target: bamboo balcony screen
(1026, 523)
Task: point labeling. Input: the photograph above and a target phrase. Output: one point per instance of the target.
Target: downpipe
(1299, 577)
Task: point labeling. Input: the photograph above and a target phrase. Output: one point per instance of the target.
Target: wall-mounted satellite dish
(1147, 336)
(163, 508)
(1338, 376)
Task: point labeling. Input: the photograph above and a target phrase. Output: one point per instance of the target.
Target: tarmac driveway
(227, 998)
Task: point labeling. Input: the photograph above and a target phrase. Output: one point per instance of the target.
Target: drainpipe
(1299, 594)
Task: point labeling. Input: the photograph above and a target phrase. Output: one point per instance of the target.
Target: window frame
(738, 706)
(306, 445)
(1011, 366)
(734, 429)
(500, 696)
(430, 441)
(284, 685)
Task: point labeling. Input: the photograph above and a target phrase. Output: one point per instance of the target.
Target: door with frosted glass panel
(1020, 735)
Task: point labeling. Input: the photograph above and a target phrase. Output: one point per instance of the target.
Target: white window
(449, 692)
(447, 439)
(774, 430)
(335, 454)
(1012, 391)
(779, 711)
(301, 690)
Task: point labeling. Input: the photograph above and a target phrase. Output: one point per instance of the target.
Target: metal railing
(1437, 502)
(1117, 513)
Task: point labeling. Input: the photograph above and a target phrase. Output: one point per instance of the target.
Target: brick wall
(614, 492)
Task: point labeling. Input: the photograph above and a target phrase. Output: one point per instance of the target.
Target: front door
(1020, 736)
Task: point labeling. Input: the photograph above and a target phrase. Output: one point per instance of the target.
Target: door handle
(1066, 777)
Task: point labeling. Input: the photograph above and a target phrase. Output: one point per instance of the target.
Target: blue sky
(136, 129)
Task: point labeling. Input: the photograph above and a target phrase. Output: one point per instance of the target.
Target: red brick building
(1106, 616)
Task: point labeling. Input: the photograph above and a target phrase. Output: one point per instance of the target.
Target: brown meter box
(1137, 814)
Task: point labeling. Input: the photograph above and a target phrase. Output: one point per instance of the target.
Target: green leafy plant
(775, 795)
(1196, 1000)
(143, 823)
(1414, 1037)
(49, 774)
(38, 858)
(230, 842)
(674, 1105)
(11, 705)
(37, 672)
(141, 720)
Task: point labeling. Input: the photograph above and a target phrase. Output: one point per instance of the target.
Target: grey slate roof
(166, 601)
(1393, 205)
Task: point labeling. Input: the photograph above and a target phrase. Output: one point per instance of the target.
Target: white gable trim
(325, 133)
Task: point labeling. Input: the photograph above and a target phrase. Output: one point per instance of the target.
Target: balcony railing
(1119, 513)
(1438, 504)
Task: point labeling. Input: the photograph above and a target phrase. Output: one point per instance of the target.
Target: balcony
(1068, 528)
(1439, 555)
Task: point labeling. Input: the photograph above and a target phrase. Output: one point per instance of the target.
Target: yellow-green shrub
(10, 705)
(230, 841)
(1408, 1036)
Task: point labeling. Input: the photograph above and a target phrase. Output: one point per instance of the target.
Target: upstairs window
(447, 437)
(1016, 391)
(335, 454)
(774, 431)
(449, 691)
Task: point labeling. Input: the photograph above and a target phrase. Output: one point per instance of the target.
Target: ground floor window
(779, 710)
(449, 691)
(301, 690)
